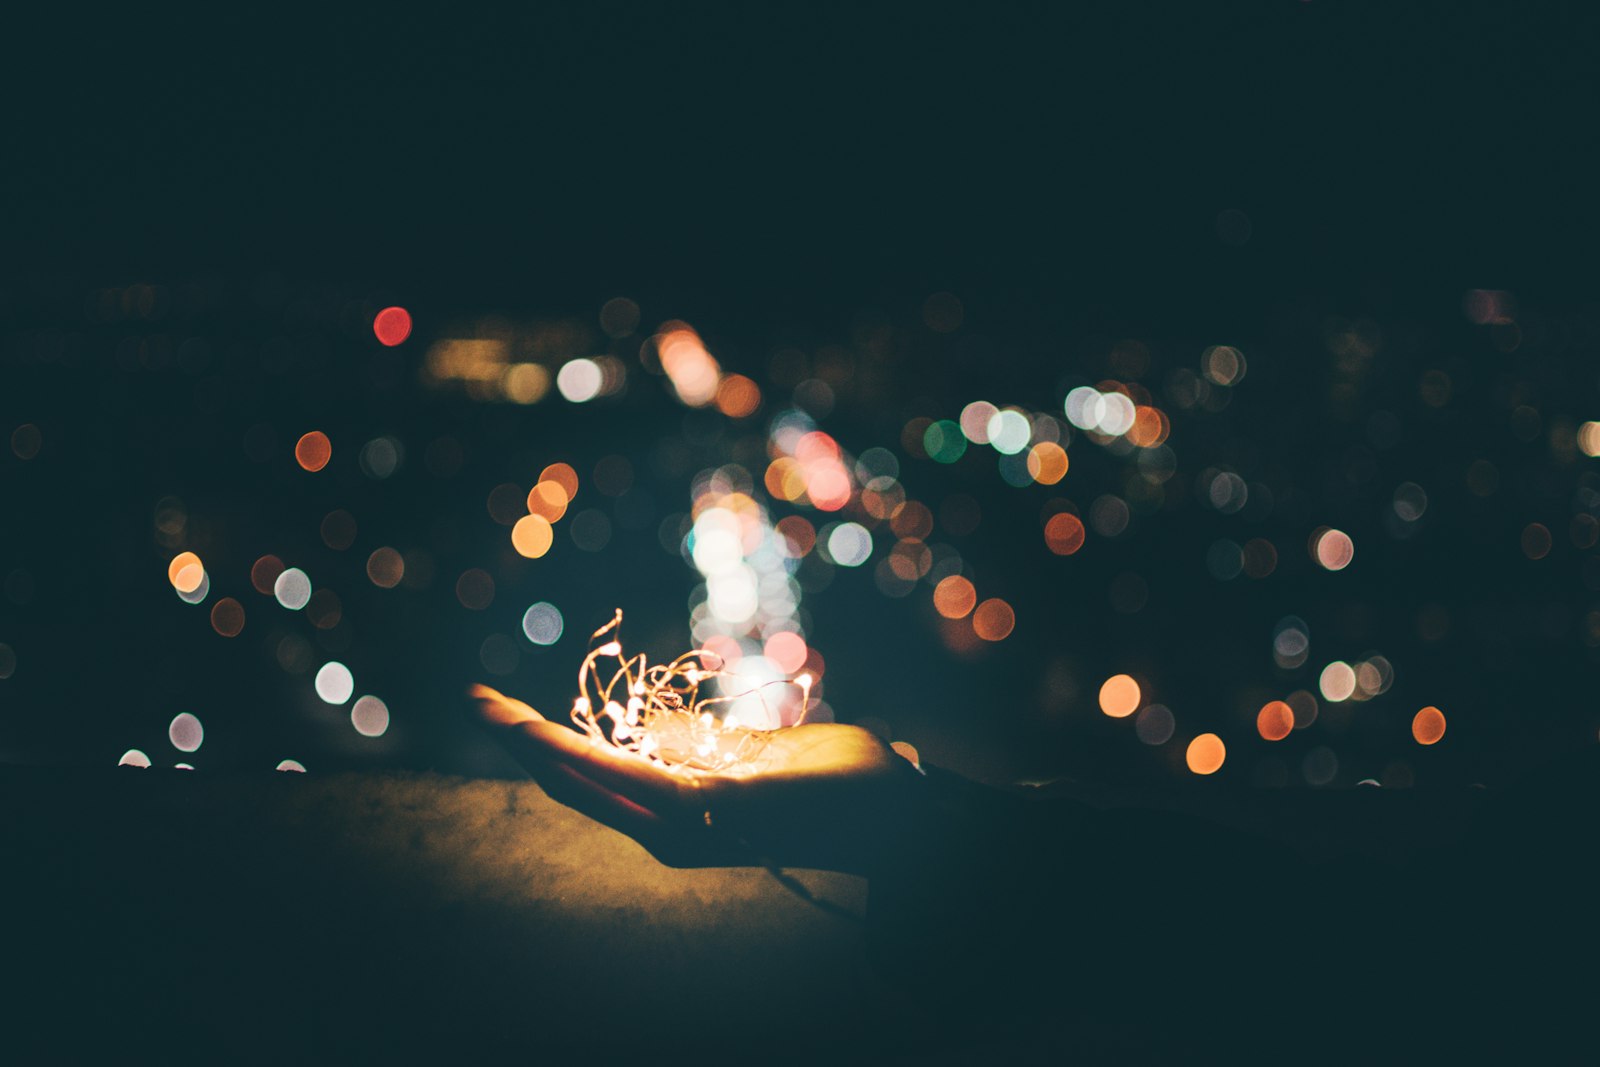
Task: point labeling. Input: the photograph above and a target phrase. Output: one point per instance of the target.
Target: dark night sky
(815, 148)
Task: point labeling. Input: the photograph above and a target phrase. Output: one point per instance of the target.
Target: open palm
(814, 793)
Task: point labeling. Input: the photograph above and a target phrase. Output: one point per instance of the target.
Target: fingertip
(496, 708)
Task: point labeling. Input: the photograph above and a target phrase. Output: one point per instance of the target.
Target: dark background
(777, 177)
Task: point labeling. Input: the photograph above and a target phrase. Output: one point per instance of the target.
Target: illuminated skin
(817, 796)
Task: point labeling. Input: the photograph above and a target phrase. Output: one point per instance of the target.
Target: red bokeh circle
(392, 326)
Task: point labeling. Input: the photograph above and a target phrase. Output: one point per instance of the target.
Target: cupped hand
(819, 794)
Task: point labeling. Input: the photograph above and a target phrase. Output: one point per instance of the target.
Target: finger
(497, 709)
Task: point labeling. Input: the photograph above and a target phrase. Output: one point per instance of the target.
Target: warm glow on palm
(813, 780)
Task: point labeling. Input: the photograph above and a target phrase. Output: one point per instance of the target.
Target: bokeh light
(944, 442)
(693, 371)
(1260, 557)
(370, 716)
(1223, 365)
(334, 682)
(1275, 720)
(1064, 533)
(227, 617)
(386, 567)
(264, 574)
(579, 380)
(542, 623)
(1332, 549)
(26, 441)
(532, 535)
(912, 519)
(954, 597)
(562, 475)
(738, 397)
(525, 383)
(293, 589)
(548, 500)
(1155, 724)
(1119, 696)
(193, 584)
(1536, 540)
(974, 421)
(186, 733)
(1304, 706)
(1427, 726)
(849, 544)
(994, 619)
(392, 326)
(800, 535)
(787, 650)
(1338, 681)
(1047, 463)
(1291, 643)
(184, 572)
(1206, 754)
(1008, 432)
(1109, 515)
(590, 530)
(313, 451)
(380, 458)
(1589, 438)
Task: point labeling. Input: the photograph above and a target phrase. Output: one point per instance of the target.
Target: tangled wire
(661, 715)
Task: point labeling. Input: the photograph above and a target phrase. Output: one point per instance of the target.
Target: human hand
(819, 794)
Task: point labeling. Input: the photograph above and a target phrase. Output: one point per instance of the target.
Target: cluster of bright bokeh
(1122, 697)
(658, 712)
(762, 532)
(746, 610)
(290, 588)
(496, 360)
(533, 534)
(810, 469)
(745, 615)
